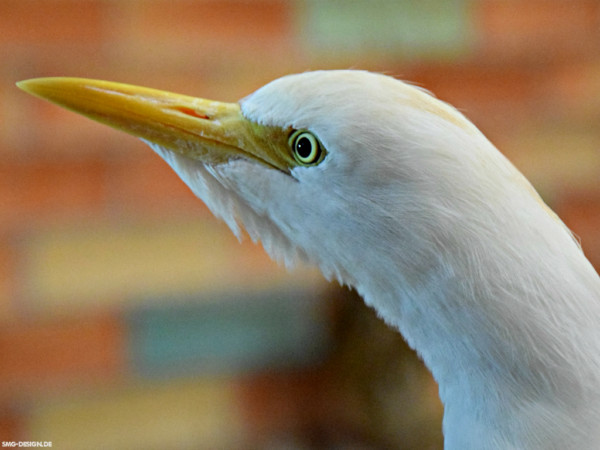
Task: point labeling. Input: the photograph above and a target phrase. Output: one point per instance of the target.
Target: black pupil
(304, 147)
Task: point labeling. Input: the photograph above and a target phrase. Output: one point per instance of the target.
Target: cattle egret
(397, 194)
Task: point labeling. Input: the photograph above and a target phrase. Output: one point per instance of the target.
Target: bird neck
(511, 336)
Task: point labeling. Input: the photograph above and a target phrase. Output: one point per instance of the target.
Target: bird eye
(306, 147)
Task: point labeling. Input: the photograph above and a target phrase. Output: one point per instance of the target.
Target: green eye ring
(306, 148)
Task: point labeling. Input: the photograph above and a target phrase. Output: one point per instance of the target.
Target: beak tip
(23, 85)
(32, 85)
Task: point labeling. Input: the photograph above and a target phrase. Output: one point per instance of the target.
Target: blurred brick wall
(93, 225)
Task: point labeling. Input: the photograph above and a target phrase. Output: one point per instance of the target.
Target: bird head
(322, 166)
(381, 185)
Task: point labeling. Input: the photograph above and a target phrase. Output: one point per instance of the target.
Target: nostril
(191, 112)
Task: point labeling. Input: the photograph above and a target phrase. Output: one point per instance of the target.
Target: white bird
(397, 194)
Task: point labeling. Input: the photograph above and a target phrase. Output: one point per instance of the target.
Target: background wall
(130, 318)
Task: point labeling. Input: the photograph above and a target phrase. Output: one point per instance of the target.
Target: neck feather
(510, 331)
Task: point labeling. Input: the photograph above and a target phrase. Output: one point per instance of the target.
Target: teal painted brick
(227, 335)
(408, 28)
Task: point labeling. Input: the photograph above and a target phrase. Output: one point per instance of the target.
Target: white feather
(418, 211)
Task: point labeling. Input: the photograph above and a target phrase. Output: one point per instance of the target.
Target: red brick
(574, 89)
(483, 82)
(538, 27)
(12, 424)
(212, 22)
(34, 192)
(493, 96)
(273, 403)
(42, 355)
(146, 184)
(42, 22)
(8, 257)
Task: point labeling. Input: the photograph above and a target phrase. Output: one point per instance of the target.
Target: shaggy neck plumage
(511, 337)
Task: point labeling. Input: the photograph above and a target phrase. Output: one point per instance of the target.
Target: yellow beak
(210, 131)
